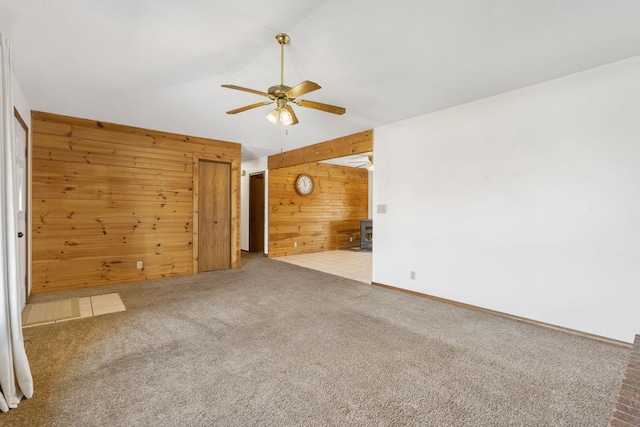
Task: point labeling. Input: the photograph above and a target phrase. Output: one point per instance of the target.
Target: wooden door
(214, 215)
(256, 213)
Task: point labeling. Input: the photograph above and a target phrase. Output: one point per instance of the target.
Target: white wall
(526, 203)
(251, 167)
(21, 104)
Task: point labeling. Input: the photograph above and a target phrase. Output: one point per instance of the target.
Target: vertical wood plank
(206, 213)
(222, 216)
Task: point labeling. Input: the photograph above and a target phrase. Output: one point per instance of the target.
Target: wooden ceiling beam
(357, 143)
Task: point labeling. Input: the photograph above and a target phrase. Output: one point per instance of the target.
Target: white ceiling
(159, 64)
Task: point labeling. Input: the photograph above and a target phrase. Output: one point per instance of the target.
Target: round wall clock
(304, 184)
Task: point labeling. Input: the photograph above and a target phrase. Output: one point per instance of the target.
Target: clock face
(304, 184)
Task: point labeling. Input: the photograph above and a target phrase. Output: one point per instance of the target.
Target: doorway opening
(256, 212)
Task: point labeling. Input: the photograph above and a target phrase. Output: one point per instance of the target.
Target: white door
(21, 187)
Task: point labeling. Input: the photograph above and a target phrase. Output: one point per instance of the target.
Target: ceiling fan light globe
(286, 118)
(273, 116)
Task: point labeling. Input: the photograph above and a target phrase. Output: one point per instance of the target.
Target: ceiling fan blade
(304, 87)
(294, 119)
(248, 107)
(244, 89)
(323, 107)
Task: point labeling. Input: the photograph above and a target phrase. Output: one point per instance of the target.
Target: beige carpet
(275, 344)
(44, 312)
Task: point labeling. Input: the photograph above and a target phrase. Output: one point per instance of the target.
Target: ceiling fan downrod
(282, 39)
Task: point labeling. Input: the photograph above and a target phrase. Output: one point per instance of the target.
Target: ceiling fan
(283, 96)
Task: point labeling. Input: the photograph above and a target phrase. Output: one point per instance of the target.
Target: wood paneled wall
(321, 221)
(105, 196)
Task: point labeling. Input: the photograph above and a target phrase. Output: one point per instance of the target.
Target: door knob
(20, 234)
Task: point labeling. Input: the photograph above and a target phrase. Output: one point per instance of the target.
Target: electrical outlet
(295, 244)
(413, 275)
(351, 238)
(139, 265)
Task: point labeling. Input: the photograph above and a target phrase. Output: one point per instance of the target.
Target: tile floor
(94, 306)
(101, 304)
(354, 265)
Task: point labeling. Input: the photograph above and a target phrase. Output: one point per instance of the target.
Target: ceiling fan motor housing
(278, 92)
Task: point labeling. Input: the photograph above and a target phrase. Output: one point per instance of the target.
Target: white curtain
(15, 375)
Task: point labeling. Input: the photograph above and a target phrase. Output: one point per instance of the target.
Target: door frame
(27, 201)
(235, 209)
